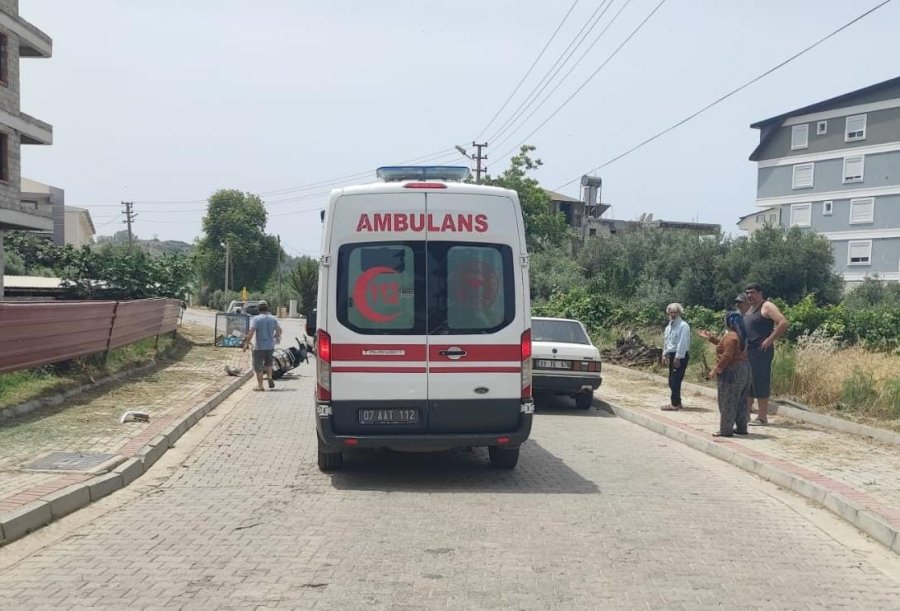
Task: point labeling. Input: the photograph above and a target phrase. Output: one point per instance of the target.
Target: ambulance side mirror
(322, 215)
(311, 323)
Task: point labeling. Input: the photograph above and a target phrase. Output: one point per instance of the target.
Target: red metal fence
(33, 334)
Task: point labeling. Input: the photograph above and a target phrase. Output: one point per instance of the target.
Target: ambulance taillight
(526, 364)
(323, 366)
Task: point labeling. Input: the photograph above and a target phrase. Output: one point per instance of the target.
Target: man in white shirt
(676, 342)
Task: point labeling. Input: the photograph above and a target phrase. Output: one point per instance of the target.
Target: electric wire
(589, 79)
(527, 72)
(729, 94)
(563, 58)
(534, 110)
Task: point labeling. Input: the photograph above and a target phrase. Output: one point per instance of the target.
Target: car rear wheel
(503, 458)
(329, 461)
(584, 400)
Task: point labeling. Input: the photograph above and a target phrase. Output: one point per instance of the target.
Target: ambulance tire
(583, 400)
(503, 458)
(329, 461)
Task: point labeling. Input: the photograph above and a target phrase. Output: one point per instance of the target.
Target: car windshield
(567, 331)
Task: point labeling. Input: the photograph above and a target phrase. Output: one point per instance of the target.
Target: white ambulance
(423, 326)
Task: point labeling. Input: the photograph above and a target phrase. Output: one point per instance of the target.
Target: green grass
(859, 390)
(784, 370)
(21, 386)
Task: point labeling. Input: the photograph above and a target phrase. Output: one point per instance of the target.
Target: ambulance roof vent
(396, 173)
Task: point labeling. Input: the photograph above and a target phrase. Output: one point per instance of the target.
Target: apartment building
(18, 39)
(834, 167)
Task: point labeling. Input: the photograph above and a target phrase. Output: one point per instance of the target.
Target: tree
(543, 228)
(106, 272)
(789, 264)
(238, 219)
(553, 271)
(304, 279)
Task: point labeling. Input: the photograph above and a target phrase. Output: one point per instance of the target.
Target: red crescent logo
(361, 290)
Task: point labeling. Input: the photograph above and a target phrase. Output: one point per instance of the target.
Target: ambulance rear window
(379, 290)
(471, 288)
(382, 288)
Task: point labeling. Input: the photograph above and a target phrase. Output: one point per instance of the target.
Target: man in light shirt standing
(676, 342)
(268, 333)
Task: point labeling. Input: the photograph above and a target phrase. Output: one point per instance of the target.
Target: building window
(799, 137)
(821, 128)
(827, 208)
(4, 60)
(862, 210)
(4, 157)
(859, 252)
(592, 232)
(803, 175)
(801, 215)
(853, 168)
(855, 128)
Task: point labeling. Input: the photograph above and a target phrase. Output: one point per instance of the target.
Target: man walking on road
(267, 331)
(764, 323)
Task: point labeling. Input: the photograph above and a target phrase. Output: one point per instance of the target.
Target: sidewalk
(108, 453)
(853, 476)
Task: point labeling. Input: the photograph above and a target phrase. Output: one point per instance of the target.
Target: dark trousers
(676, 375)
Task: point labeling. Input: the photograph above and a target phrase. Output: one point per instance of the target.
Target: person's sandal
(722, 435)
(670, 408)
(758, 422)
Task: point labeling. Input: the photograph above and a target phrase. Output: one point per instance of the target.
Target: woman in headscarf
(733, 377)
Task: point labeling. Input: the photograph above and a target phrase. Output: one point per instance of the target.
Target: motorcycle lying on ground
(283, 360)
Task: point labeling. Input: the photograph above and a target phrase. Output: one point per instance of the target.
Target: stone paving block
(19, 522)
(104, 485)
(69, 499)
(130, 470)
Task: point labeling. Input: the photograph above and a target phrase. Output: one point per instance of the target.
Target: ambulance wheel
(329, 461)
(503, 458)
(584, 400)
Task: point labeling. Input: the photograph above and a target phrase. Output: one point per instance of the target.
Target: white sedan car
(565, 361)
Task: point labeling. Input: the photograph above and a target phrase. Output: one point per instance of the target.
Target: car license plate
(388, 416)
(544, 364)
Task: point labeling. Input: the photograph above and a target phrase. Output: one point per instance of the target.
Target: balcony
(32, 41)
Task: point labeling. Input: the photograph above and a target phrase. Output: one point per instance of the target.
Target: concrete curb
(866, 521)
(783, 407)
(28, 518)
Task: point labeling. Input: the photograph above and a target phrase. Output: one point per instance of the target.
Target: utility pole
(478, 157)
(279, 270)
(227, 262)
(129, 219)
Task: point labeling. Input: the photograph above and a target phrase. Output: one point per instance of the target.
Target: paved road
(599, 514)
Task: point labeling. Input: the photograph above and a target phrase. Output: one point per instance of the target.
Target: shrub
(784, 370)
(891, 396)
(859, 390)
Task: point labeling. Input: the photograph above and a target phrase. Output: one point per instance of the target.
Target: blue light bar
(397, 173)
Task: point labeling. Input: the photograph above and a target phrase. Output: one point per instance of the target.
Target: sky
(163, 102)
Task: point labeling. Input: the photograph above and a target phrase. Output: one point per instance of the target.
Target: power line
(312, 185)
(588, 80)
(566, 76)
(527, 72)
(578, 39)
(730, 93)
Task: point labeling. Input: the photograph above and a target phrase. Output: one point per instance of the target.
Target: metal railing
(34, 334)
